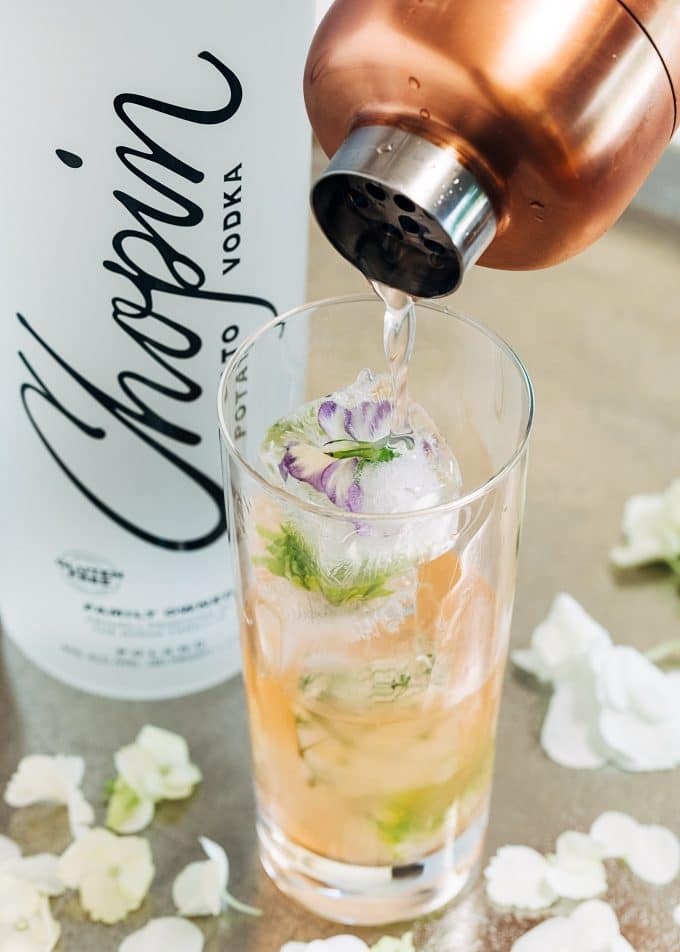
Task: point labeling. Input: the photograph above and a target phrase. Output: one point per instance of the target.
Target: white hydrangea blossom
(518, 877)
(26, 922)
(201, 888)
(112, 873)
(566, 637)
(652, 852)
(350, 943)
(157, 766)
(592, 927)
(610, 703)
(651, 527)
(45, 779)
(167, 934)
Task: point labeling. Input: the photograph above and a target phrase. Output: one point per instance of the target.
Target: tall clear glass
(374, 645)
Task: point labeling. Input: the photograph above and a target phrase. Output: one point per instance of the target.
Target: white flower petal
(80, 813)
(569, 735)
(560, 642)
(198, 890)
(676, 915)
(71, 769)
(596, 925)
(26, 922)
(628, 681)
(641, 515)
(577, 847)
(655, 855)
(140, 771)
(167, 748)
(157, 765)
(592, 927)
(643, 526)
(18, 900)
(40, 870)
(638, 745)
(128, 812)
(21, 942)
(8, 849)
(217, 855)
(113, 873)
(611, 686)
(528, 660)
(137, 819)
(179, 781)
(576, 871)
(103, 900)
(390, 944)
(553, 935)
(615, 832)
(619, 944)
(633, 556)
(43, 779)
(43, 927)
(135, 866)
(568, 632)
(516, 877)
(338, 943)
(39, 934)
(84, 856)
(167, 934)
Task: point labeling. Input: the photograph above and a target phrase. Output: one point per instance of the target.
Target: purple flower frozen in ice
(333, 420)
(337, 479)
(353, 434)
(368, 422)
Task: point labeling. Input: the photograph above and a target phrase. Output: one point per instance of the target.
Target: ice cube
(336, 452)
(296, 628)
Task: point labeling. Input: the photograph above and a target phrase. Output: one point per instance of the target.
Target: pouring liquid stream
(398, 337)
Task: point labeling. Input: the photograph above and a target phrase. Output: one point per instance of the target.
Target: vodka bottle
(153, 187)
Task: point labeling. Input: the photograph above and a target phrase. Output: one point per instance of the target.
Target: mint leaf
(414, 813)
(422, 811)
(288, 430)
(290, 556)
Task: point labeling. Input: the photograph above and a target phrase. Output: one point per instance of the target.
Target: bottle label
(154, 214)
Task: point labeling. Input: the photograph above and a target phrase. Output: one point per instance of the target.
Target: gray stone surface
(601, 338)
(660, 194)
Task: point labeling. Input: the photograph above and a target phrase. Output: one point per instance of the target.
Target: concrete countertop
(601, 339)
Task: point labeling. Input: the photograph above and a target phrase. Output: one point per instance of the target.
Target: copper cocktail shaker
(513, 132)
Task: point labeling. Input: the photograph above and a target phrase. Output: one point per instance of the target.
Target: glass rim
(321, 510)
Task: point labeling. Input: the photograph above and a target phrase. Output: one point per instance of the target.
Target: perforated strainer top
(405, 212)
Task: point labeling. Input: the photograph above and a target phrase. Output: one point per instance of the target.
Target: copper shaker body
(559, 109)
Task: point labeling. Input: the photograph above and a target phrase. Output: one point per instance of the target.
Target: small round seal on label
(90, 573)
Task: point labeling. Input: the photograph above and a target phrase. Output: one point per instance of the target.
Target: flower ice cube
(337, 453)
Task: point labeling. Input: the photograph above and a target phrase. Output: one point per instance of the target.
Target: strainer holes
(390, 231)
(409, 225)
(356, 198)
(379, 194)
(434, 247)
(406, 205)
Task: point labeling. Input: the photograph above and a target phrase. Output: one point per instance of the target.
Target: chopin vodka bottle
(153, 186)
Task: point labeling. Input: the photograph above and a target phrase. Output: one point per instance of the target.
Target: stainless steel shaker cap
(404, 211)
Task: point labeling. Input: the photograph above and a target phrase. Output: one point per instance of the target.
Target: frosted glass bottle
(154, 171)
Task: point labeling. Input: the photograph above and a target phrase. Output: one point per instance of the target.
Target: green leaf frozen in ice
(290, 556)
